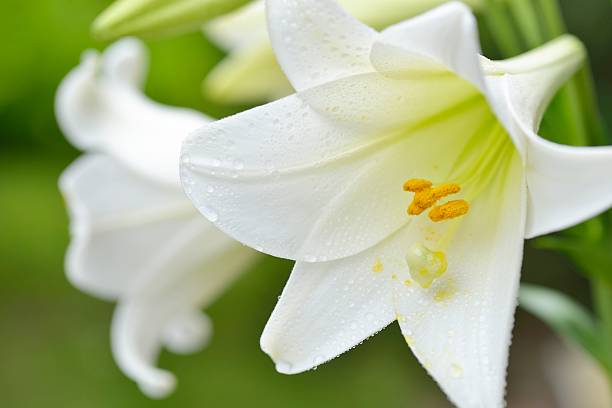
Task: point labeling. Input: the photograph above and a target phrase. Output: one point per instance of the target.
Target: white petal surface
(460, 328)
(142, 243)
(285, 191)
(100, 107)
(326, 308)
(447, 34)
(567, 185)
(164, 310)
(117, 216)
(317, 42)
(564, 182)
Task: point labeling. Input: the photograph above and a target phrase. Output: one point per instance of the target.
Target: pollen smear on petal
(378, 266)
(447, 211)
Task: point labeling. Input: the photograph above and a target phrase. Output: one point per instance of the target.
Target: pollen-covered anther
(447, 211)
(416, 185)
(425, 196)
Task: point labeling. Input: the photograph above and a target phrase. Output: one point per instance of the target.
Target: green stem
(553, 20)
(499, 24)
(593, 120)
(528, 23)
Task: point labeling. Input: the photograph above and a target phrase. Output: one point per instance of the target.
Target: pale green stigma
(425, 265)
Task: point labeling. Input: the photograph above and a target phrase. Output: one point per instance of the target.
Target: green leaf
(566, 317)
(592, 256)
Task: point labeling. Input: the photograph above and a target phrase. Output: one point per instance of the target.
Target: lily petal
(326, 309)
(143, 244)
(317, 42)
(452, 327)
(250, 19)
(460, 328)
(165, 308)
(248, 74)
(100, 107)
(335, 163)
(564, 182)
(447, 35)
(117, 217)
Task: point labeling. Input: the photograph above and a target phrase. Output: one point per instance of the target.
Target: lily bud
(156, 17)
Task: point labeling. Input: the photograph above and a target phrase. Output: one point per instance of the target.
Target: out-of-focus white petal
(163, 310)
(326, 309)
(143, 244)
(240, 28)
(324, 183)
(317, 42)
(460, 328)
(117, 217)
(248, 74)
(100, 107)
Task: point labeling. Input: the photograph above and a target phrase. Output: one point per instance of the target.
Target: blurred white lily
(403, 177)
(250, 72)
(136, 238)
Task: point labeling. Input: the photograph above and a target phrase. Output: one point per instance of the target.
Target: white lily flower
(403, 177)
(136, 238)
(250, 72)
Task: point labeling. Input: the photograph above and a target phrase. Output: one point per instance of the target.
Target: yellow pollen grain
(408, 282)
(447, 211)
(378, 266)
(414, 185)
(394, 276)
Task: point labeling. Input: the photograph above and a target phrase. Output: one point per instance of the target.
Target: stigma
(425, 265)
(426, 196)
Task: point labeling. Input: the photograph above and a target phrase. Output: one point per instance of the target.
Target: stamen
(425, 196)
(415, 185)
(450, 210)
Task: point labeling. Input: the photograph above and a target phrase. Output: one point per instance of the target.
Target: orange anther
(449, 210)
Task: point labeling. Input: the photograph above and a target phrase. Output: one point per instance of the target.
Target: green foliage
(569, 319)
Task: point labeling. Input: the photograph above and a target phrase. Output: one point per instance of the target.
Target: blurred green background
(54, 340)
